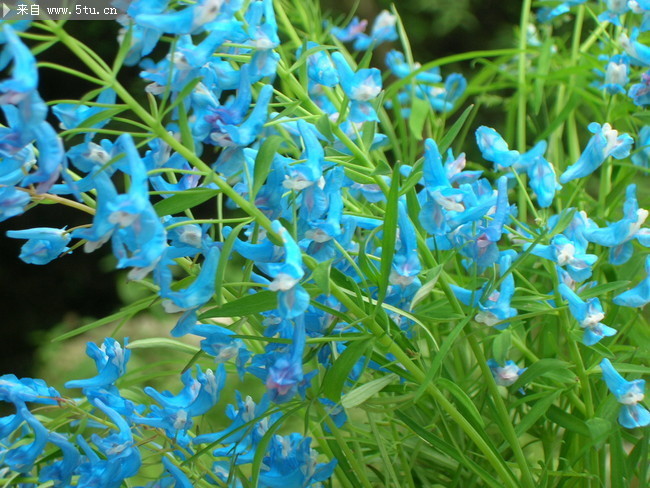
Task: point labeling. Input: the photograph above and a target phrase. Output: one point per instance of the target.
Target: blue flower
(494, 148)
(640, 92)
(23, 390)
(44, 244)
(291, 463)
(507, 374)
(360, 87)
(198, 396)
(641, 157)
(615, 8)
(320, 68)
(24, 78)
(195, 295)
(190, 20)
(541, 174)
(110, 360)
(615, 75)
(639, 53)
(638, 296)
(495, 308)
(604, 143)
(589, 315)
(383, 30)
(618, 235)
(547, 14)
(351, 32)
(12, 202)
(397, 64)
(292, 297)
(180, 478)
(122, 456)
(628, 393)
(565, 252)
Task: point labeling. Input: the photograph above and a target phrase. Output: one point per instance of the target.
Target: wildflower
(360, 87)
(110, 360)
(615, 8)
(571, 254)
(639, 53)
(628, 393)
(190, 20)
(320, 68)
(351, 32)
(495, 308)
(640, 92)
(292, 297)
(618, 235)
(24, 78)
(195, 295)
(397, 64)
(616, 74)
(541, 174)
(507, 374)
(589, 315)
(641, 157)
(383, 30)
(604, 143)
(494, 149)
(43, 245)
(547, 14)
(638, 296)
(292, 463)
(12, 202)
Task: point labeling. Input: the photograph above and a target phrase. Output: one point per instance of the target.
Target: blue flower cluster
(305, 199)
(110, 448)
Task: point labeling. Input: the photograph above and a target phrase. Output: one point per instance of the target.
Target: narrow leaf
(364, 392)
(338, 373)
(185, 200)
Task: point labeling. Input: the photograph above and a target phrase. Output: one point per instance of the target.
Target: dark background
(80, 287)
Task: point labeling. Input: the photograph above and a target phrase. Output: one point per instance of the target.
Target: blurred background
(40, 302)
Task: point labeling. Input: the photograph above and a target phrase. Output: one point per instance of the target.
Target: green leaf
(447, 449)
(543, 367)
(419, 111)
(338, 373)
(382, 168)
(600, 429)
(618, 459)
(454, 130)
(446, 346)
(321, 276)
(427, 288)
(263, 161)
(389, 229)
(124, 314)
(501, 346)
(163, 342)
(224, 257)
(600, 290)
(567, 420)
(184, 200)
(259, 302)
(539, 409)
(543, 66)
(465, 403)
(324, 126)
(364, 392)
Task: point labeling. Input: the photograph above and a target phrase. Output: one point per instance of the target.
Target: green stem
(506, 423)
(522, 89)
